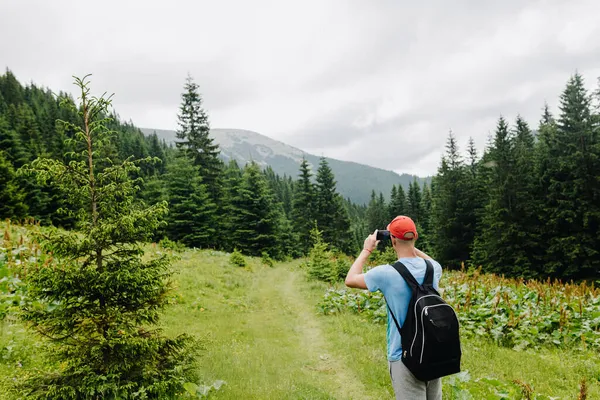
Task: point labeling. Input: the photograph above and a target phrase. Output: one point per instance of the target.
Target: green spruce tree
(393, 195)
(11, 89)
(425, 227)
(99, 302)
(10, 143)
(377, 213)
(193, 138)
(475, 194)
(495, 244)
(157, 150)
(12, 197)
(452, 236)
(332, 218)
(320, 263)
(397, 204)
(254, 215)
(303, 210)
(192, 214)
(572, 209)
(542, 163)
(414, 201)
(232, 181)
(526, 246)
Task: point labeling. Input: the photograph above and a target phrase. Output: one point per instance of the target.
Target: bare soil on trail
(332, 372)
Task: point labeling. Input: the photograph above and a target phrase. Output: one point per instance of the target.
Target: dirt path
(334, 375)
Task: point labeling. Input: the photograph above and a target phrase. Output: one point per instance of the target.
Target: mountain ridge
(354, 180)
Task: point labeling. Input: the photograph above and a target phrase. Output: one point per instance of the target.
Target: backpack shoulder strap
(408, 277)
(428, 281)
(411, 281)
(393, 316)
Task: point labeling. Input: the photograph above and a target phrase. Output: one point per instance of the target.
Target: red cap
(400, 226)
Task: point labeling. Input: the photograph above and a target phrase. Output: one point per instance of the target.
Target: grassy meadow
(263, 335)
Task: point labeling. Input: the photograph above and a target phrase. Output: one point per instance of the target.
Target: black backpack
(430, 334)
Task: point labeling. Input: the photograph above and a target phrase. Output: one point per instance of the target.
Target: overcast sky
(377, 82)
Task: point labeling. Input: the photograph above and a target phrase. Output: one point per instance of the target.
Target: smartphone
(383, 235)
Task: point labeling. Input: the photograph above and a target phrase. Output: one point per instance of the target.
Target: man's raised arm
(356, 278)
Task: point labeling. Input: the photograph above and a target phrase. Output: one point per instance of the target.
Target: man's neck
(406, 251)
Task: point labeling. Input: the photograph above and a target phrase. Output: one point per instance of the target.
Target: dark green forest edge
(528, 207)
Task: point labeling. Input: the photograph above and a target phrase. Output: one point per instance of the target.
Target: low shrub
(237, 259)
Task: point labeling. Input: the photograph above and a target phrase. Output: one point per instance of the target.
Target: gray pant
(407, 387)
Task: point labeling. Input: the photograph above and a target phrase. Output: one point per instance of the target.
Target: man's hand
(355, 277)
(371, 242)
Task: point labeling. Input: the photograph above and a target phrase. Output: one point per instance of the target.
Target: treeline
(528, 206)
(29, 129)
(211, 205)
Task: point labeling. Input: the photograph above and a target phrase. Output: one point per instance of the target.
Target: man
(397, 293)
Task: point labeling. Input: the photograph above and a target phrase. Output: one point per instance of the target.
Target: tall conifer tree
(99, 301)
(254, 215)
(193, 137)
(526, 243)
(377, 212)
(572, 209)
(424, 227)
(495, 243)
(475, 193)
(452, 237)
(397, 204)
(332, 217)
(12, 197)
(232, 181)
(414, 201)
(303, 211)
(192, 212)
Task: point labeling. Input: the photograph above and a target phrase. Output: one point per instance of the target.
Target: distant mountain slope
(354, 180)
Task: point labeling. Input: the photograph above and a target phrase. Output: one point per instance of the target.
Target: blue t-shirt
(397, 294)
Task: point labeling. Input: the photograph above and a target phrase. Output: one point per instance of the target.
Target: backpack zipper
(423, 327)
(416, 330)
